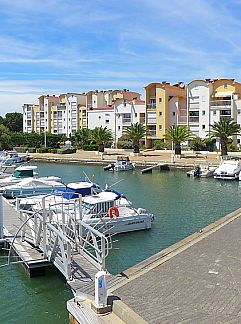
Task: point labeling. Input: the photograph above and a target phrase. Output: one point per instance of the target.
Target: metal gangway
(56, 229)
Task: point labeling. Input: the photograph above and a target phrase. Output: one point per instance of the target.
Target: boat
(229, 168)
(12, 157)
(72, 191)
(201, 171)
(111, 213)
(20, 173)
(32, 186)
(122, 163)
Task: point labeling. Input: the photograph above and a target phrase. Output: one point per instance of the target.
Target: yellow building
(165, 107)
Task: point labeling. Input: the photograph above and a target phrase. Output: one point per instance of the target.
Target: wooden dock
(162, 166)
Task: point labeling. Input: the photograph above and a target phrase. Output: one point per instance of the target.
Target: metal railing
(220, 103)
(151, 105)
(59, 231)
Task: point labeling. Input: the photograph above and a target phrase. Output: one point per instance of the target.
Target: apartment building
(165, 107)
(63, 114)
(29, 117)
(209, 100)
(118, 116)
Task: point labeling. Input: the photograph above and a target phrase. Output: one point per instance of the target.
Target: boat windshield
(22, 173)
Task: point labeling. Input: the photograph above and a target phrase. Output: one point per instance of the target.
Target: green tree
(5, 139)
(178, 134)
(135, 133)
(82, 137)
(197, 144)
(14, 121)
(224, 129)
(101, 136)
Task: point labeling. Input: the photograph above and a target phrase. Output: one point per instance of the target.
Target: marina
(169, 227)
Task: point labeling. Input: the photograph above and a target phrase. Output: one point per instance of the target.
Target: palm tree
(101, 136)
(135, 133)
(223, 129)
(178, 134)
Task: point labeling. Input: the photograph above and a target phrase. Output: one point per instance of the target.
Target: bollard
(1, 216)
(99, 305)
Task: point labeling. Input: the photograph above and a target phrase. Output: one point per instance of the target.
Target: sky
(59, 46)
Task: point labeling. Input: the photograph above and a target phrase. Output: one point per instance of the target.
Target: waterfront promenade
(146, 157)
(197, 280)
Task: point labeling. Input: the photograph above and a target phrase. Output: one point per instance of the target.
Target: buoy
(113, 211)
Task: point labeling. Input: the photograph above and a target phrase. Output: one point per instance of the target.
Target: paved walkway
(187, 158)
(198, 280)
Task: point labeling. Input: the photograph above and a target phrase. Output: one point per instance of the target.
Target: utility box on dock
(100, 289)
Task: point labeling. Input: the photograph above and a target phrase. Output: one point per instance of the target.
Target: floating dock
(161, 166)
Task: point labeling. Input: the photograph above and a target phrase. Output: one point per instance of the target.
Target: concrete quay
(197, 280)
(145, 158)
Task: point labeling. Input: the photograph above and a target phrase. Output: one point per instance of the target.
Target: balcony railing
(193, 105)
(151, 105)
(220, 103)
(151, 121)
(126, 120)
(193, 120)
(151, 133)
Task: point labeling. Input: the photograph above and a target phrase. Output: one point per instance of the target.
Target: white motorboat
(12, 157)
(32, 186)
(202, 171)
(111, 213)
(72, 191)
(122, 163)
(18, 175)
(229, 168)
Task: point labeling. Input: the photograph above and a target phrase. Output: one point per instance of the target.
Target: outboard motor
(197, 171)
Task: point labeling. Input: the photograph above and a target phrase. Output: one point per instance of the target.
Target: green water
(181, 206)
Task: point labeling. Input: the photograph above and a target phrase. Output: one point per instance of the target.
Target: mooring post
(1, 216)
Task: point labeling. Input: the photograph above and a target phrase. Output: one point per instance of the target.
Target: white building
(118, 116)
(210, 100)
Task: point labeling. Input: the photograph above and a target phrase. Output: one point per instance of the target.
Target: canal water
(181, 206)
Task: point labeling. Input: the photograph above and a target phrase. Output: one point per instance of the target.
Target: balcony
(182, 120)
(151, 105)
(151, 133)
(193, 105)
(193, 120)
(216, 104)
(151, 121)
(126, 120)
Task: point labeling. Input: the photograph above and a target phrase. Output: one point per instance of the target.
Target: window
(238, 140)
(239, 111)
(107, 121)
(118, 127)
(107, 114)
(225, 86)
(203, 112)
(214, 112)
(160, 100)
(203, 126)
(160, 113)
(160, 127)
(135, 114)
(173, 113)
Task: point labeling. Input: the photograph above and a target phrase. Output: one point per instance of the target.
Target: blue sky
(57, 46)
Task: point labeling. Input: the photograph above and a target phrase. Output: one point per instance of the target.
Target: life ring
(113, 211)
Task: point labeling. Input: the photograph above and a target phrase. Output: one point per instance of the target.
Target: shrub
(90, 147)
(66, 150)
(43, 150)
(124, 145)
(160, 145)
